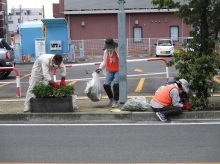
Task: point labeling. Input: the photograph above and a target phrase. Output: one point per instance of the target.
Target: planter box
(51, 105)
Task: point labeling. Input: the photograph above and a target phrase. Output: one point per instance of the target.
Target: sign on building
(40, 47)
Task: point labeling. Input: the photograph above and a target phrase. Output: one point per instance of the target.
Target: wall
(101, 26)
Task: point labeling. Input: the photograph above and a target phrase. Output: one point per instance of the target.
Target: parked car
(164, 47)
(7, 57)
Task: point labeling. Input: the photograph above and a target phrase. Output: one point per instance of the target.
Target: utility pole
(20, 14)
(8, 36)
(122, 54)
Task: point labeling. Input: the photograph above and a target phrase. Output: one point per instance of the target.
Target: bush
(43, 91)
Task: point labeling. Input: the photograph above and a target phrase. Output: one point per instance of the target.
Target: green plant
(198, 65)
(43, 91)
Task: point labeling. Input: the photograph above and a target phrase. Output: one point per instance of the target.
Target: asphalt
(12, 110)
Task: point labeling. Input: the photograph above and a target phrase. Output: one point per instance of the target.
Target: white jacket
(43, 67)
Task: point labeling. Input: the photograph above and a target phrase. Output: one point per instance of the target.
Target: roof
(31, 24)
(54, 21)
(82, 5)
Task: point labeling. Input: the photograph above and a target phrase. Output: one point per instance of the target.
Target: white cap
(184, 84)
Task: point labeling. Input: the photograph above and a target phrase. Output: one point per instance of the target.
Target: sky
(33, 4)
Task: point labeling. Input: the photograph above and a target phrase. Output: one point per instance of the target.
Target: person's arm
(63, 74)
(46, 74)
(103, 64)
(46, 71)
(62, 69)
(174, 94)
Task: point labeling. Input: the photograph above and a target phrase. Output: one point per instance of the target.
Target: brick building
(3, 11)
(97, 19)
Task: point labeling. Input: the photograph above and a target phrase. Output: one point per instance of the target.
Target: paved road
(77, 76)
(110, 143)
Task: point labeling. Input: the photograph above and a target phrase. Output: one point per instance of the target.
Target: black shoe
(161, 116)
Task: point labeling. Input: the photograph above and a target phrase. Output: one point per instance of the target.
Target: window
(137, 34)
(10, 22)
(174, 33)
(19, 21)
(1, 46)
(28, 12)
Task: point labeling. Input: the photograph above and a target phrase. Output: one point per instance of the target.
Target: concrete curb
(112, 116)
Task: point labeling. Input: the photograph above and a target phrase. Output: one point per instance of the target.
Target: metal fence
(145, 47)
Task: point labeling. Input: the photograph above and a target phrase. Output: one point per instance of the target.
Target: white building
(20, 15)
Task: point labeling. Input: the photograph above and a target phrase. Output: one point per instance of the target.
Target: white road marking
(116, 124)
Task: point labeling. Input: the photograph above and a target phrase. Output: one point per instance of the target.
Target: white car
(164, 47)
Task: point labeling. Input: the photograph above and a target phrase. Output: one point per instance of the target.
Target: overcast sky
(33, 4)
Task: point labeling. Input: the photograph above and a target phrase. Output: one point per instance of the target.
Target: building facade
(3, 24)
(97, 19)
(19, 15)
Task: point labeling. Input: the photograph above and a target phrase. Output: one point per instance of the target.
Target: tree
(199, 64)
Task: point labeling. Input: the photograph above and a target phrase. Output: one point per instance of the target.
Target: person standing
(111, 65)
(41, 73)
(166, 102)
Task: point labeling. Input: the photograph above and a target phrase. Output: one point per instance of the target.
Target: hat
(171, 80)
(110, 44)
(184, 84)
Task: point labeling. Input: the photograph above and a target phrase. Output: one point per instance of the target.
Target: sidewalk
(12, 110)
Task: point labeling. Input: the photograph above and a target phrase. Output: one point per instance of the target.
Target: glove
(180, 95)
(186, 107)
(98, 70)
(55, 85)
(63, 82)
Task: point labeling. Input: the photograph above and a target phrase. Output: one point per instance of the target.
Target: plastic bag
(136, 104)
(93, 89)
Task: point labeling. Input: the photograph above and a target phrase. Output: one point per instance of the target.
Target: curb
(119, 116)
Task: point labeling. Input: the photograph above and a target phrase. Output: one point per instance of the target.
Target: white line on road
(116, 124)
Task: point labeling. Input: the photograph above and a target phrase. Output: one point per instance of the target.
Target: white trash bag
(93, 89)
(136, 104)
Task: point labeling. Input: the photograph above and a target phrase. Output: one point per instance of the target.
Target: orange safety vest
(163, 96)
(112, 63)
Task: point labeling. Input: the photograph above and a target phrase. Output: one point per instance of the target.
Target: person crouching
(166, 101)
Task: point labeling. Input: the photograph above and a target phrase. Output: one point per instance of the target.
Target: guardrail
(135, 60)
(18, 83)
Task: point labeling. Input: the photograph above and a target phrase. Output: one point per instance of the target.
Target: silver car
(7, 57)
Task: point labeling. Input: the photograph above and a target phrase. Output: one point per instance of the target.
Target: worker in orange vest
(166, 101)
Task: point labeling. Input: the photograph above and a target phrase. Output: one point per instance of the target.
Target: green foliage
(43, 91)
(64, 91)
(198, 65)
